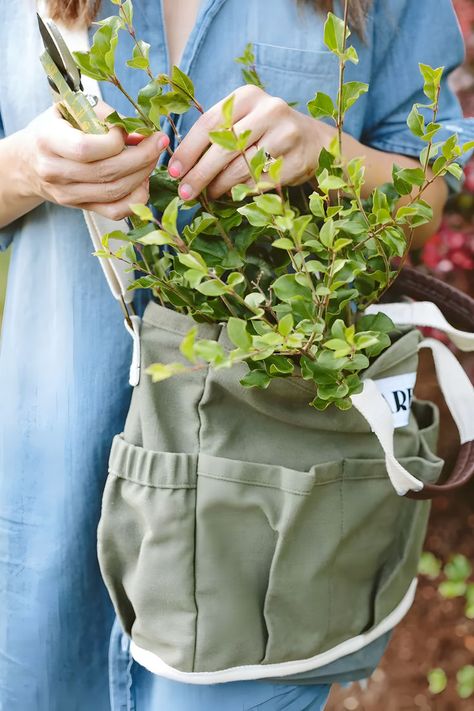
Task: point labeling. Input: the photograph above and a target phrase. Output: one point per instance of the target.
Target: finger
(129, 161)
(196, 141)
(236, 172)
(216, 159)
(78, 193)
(64, 140)
(121, 208)
(133, 139)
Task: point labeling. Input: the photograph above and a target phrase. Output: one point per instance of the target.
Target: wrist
(19, 156)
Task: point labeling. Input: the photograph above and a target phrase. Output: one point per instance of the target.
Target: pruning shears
(64, 77)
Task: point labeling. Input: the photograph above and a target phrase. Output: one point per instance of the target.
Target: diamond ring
(269, 159)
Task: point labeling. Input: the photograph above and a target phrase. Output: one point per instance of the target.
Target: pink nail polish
(174, 169)
(185, 191)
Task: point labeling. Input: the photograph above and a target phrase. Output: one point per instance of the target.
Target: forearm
(378, 170)
(15, 198)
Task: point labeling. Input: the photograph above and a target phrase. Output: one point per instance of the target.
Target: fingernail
(163, 142)
(175, 168)
(185, 191)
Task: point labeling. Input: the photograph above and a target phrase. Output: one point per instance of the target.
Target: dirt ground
(435, 632)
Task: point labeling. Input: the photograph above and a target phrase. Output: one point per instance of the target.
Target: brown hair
(69, 11)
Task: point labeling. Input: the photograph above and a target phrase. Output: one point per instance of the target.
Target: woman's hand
(94, 172)
(275, 126)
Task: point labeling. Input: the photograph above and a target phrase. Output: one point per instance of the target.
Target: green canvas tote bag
(245, 534)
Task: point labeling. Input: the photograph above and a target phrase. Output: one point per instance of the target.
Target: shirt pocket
(296, 74)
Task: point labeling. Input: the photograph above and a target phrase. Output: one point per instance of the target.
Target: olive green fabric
(241, 526)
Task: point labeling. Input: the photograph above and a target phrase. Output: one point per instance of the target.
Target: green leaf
(187, 344)
(283, 243)
(405, 178)
(248, 55)
(334, 33)
(156, 237)
(182, 82)
(254, 299)
(235, 278)
(224, 138)
(274, 171)
(317, 205)
(437, 680)
(458, 569)
(456, 170)
(127, 10)
(465, 681)
(140, 56)
(243, 140)
(351, 55)
(328, 182)
(170, 217)
(228, 112)
(193, 260)
(238, 334)
(351, 92)
(286, 324)
(377, 322)
(321, 106)
(213, 287)
(170, 102)
(286, 288)
(102, 52)
(419, 213)
(254, 215)
(257, 163)
(143, 212)
(133, 124)
(327, 233)
(269, 203)
(340, 347)
(160, 371)
(241, 191)
(469, 612)
(416, 122)
(452, 588)
(83, 61)
(146, 93)
(210, 351)
(432, 80)
(429, 565)
(256, 379)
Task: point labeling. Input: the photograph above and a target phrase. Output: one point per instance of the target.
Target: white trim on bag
(156, 665)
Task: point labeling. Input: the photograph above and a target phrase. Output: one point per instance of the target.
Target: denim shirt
(65, 355)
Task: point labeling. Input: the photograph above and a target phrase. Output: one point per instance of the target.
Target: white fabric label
(398, 392)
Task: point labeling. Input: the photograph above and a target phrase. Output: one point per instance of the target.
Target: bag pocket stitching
(268, 485)
(127, 477)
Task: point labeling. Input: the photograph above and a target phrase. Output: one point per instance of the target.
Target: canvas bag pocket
(227, 541)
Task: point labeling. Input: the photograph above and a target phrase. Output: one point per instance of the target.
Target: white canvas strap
(424, 313)
(458, 393)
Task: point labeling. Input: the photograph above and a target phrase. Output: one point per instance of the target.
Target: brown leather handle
(461, 474)
(458, 309)
(456, 306)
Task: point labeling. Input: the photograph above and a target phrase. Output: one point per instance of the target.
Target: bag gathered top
(245, 535)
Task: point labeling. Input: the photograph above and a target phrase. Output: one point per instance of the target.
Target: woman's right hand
(93, 172)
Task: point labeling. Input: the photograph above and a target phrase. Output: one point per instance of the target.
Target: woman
(64, 355)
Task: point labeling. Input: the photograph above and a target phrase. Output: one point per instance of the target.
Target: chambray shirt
(65, 355)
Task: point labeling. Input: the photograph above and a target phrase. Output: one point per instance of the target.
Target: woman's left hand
(276, 127)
